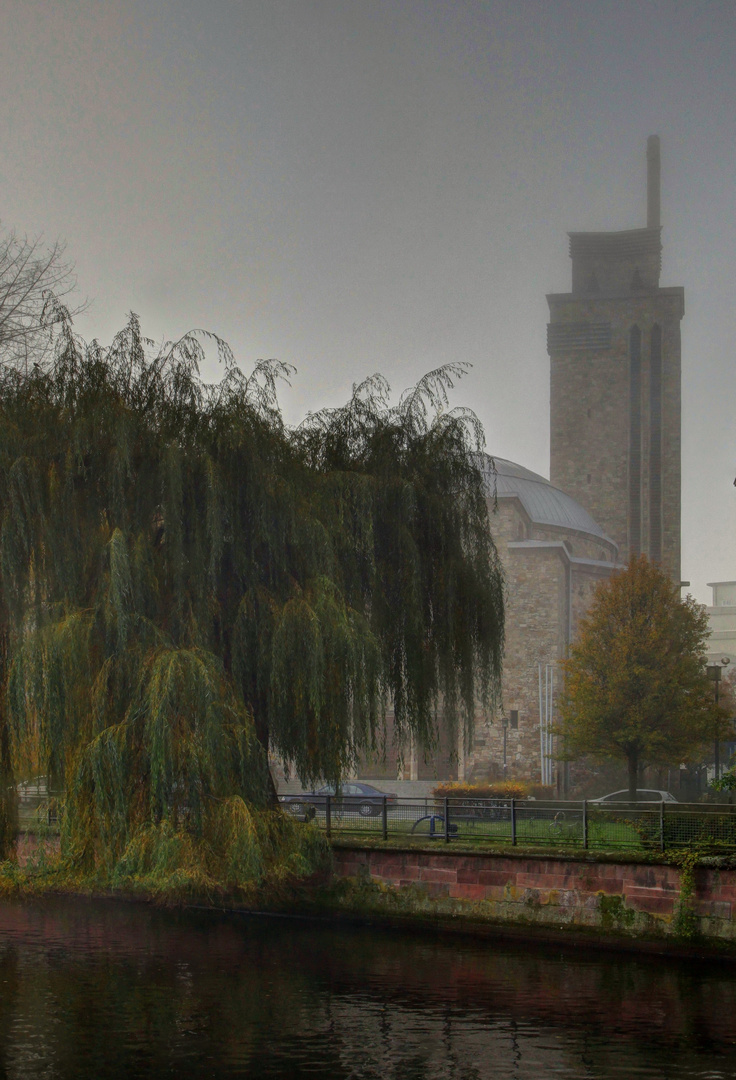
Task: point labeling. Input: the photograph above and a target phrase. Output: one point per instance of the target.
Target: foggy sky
(386, 185)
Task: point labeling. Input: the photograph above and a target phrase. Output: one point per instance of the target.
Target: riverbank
(669, 904)
(679, 904)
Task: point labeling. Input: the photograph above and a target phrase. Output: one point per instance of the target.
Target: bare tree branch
(34, 278)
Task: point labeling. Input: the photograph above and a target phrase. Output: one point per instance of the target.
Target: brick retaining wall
(620, 897)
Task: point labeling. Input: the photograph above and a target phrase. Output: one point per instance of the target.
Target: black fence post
(494, 810)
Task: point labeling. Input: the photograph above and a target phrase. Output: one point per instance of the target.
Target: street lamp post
(714, 673)
(505, 723)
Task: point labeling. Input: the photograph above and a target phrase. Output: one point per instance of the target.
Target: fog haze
(386, 186)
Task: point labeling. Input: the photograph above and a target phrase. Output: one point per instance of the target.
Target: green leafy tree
(635, 680)
(187, 584)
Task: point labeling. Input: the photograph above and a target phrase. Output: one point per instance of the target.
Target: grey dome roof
(545, 504)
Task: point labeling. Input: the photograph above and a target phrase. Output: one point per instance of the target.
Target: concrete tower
(614, 346)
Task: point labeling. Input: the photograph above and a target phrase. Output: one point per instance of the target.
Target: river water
(104, 989)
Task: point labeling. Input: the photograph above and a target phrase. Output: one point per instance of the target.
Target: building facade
(554, 555)
(614, 349)
(722, 623)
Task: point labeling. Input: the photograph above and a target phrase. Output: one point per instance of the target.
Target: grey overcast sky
(385, 185)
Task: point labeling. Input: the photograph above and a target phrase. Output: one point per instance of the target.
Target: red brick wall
(618, 896)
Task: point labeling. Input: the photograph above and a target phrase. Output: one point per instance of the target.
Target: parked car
(366, 799)
(642, 795)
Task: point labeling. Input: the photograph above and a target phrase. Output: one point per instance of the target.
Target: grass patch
(556, 831)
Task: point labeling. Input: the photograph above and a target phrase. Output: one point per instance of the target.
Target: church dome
(544, 504)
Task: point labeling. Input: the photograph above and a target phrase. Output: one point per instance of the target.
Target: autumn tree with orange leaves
(636, 686)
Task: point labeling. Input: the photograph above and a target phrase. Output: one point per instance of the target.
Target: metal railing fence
(657, 826)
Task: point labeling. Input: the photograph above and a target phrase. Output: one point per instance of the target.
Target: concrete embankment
(603, 896)
(645, 901)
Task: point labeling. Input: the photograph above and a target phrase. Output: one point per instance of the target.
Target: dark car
(642, 795)
(367, 800)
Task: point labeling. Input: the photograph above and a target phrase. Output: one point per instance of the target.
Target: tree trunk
(8, 791)
(262, 734)
(8, 795)
(633, 760)
(271, 793)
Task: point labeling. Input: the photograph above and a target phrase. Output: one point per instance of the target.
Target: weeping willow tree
(188, 584)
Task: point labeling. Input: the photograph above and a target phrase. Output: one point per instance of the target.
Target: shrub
(503, 789)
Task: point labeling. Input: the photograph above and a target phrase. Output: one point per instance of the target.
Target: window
(634, 441)
(655, 446)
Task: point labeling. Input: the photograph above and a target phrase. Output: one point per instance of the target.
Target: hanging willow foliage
(187, 584)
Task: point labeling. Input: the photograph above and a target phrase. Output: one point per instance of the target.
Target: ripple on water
(93, 989)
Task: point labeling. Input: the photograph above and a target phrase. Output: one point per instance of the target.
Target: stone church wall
(591, 418)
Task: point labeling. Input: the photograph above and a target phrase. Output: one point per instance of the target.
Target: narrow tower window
(634, 441)
(655, 447)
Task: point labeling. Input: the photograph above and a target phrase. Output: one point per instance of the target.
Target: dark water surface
(96, 989)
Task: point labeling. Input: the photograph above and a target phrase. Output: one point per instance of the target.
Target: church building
(614, 349)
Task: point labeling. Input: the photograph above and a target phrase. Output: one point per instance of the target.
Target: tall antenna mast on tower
(653, 182)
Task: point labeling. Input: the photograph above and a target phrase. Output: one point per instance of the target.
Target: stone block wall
(615, 897)
(549, 589)
(590, 414)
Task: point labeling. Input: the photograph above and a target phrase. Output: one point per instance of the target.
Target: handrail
(582, 824)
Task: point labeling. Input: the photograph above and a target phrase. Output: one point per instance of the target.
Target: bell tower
(614, 347)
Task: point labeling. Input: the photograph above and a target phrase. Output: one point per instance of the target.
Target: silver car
(642, 795)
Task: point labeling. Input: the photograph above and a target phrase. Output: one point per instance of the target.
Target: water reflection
(111, 990)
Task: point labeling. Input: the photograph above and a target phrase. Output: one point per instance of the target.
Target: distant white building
(722, 620)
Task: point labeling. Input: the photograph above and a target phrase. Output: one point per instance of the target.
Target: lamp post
(714, 673)
(505, 723)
